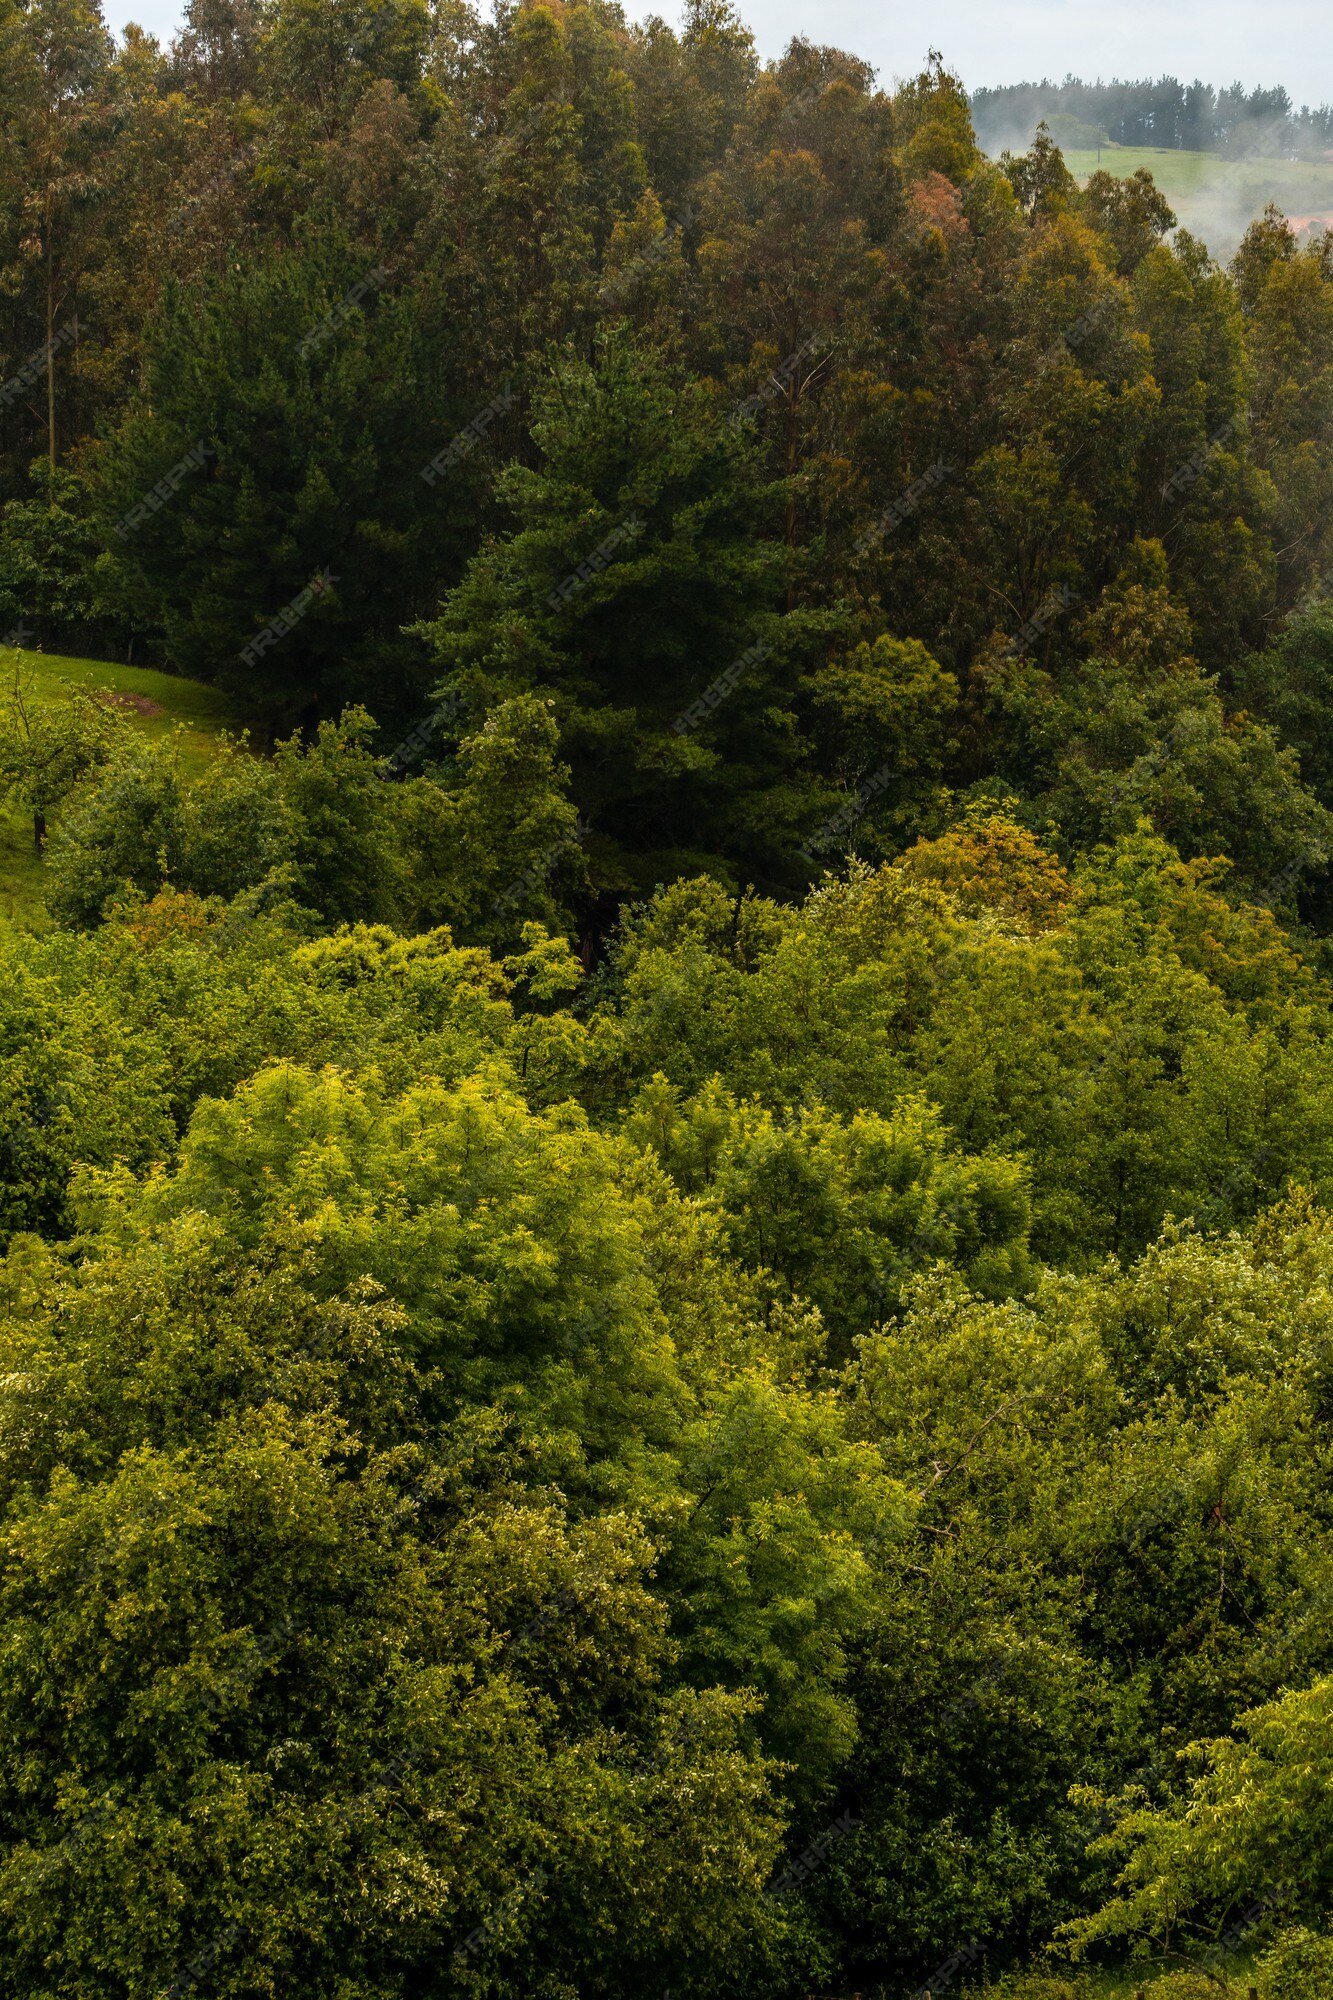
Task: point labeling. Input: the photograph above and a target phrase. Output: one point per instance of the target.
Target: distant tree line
(1161, 111)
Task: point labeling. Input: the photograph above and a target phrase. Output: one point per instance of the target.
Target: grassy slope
(195, 712)
(1217, 198)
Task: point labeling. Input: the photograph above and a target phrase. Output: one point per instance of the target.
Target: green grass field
(1217, 198)
(158, 704)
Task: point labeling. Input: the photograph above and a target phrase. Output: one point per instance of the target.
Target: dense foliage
(812, 467)
(666, 1244)
(500, 1467)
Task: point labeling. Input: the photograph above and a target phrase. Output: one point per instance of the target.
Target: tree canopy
(666, 1239)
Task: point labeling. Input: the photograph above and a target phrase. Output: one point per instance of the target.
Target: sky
(1253, 42)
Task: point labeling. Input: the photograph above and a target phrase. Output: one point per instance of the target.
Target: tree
(292, 424)
(1231, 1840)
(122, 835)
(1041, 180)
(1290, 684)
(54, 58)
(48, 749)
(347, 864)
(52, 570)
(1131, 212)
(273, 1558)
(501, 846)
(1137, 730)
(642, 588)
(1288, 302)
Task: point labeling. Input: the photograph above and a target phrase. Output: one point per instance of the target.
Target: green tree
(121, 835)
(501, 845)
(49, 551)
(1129, 210)
(1042, 182)
(303, 398)
(47, 749)
(53, 62)
(642, 587)
(287, 1551)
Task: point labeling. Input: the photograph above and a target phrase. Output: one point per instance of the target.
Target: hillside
(1217, 198)
(163, 709)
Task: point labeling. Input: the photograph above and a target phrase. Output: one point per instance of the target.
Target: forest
(666, 1236)
(1159, 111)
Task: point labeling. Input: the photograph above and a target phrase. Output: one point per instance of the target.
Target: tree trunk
(39, 832)
(50, 334)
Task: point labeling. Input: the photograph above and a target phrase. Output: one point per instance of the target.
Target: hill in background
(1219, 156)
(1218, 198)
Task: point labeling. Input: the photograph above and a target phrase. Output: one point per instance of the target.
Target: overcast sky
(1223, 41)
(1006, 41)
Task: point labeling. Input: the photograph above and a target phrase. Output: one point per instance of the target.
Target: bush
(125, 831)
(1297, 1966)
